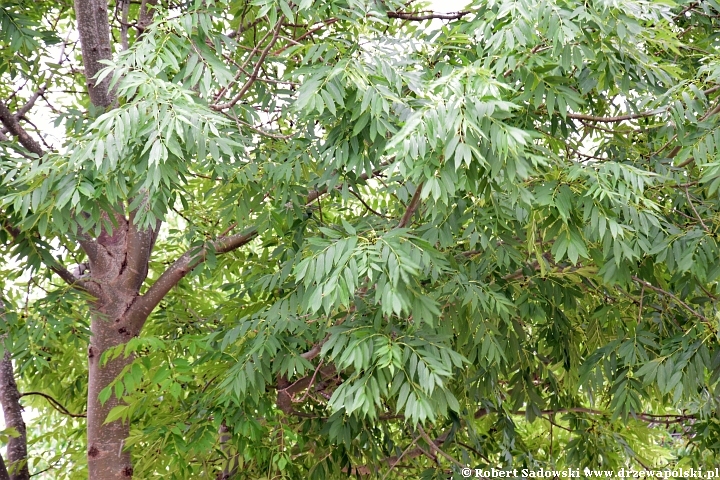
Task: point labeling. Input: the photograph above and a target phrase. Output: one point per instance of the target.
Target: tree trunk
(107, 456)
(94, 29)
(118, 267)
(12, 410)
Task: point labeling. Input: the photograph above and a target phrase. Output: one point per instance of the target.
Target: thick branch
(315, 350)
(124, 26)
(142, 307)
(231, 467)
(435, 448)
(147, 12)
(193, 257)
(306, 382)
(13, 125)
(140, 243)
(72, 280)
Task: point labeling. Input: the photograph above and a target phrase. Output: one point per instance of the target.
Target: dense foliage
(487, 239)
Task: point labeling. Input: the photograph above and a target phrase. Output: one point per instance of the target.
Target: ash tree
(278, 239)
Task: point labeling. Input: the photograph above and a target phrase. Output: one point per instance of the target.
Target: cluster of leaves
(500, 232)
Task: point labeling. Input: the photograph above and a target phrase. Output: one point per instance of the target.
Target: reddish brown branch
(72, 280)
(411, 208)
(145, 304)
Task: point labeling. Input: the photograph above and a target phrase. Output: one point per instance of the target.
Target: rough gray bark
(12, 411)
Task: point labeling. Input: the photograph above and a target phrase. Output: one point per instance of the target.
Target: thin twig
(414, 17)
(368, 207)
(55, 404)
(392, 465)
(312, 382)
(436, 448)
(674, 297)
(620, 118)
(250, 81)
(687, 194)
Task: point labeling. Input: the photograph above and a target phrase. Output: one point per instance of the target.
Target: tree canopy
(275, 239)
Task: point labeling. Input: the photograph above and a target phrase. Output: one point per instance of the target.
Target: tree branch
(315, 350)
(145, 304)
(397, 460)
(411, 208)
(13, 125)
(231, 467)
(147, 11)
(674, 297)
(55, 404)
(645, 417)
(368, 207)
(621, 118)
(93, 27)
(249, 82)
(72, 280)
(422, 16)
(241, 68)
(324, 24)
(435, 448)
(697, 215)
(140, 243)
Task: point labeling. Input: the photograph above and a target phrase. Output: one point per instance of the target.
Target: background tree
(308, 240)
